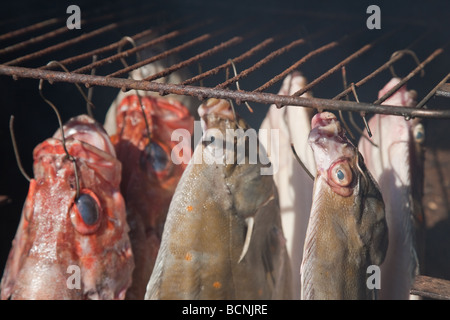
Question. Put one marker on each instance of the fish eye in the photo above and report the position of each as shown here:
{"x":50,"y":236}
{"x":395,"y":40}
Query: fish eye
{"x":342,"y":174}
{"x":156,"y":156}
{"x":419,"y":133}
{"x":85,"y":212}
{"x":88,"y":209}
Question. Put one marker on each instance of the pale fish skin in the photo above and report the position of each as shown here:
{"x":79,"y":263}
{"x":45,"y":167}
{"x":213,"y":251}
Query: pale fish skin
{"x":397,"y":166}
{"x":57,"y":233}
{"x":294,"y":185}
{"x":209,"y":249}
{"x":347,"y":230}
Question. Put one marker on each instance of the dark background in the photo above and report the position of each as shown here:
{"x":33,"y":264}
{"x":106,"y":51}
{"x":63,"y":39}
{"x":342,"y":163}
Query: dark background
{"x":35,"y":121}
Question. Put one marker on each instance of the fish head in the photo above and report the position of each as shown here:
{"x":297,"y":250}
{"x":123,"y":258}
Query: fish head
{"x":150,"y":152}
{"x":69,"y":247}
{"x":230,"y":137}
{"x":402,"y":97}
{"x":335,"y":155}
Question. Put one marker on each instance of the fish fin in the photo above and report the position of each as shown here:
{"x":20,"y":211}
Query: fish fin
{"x":250,"y":223}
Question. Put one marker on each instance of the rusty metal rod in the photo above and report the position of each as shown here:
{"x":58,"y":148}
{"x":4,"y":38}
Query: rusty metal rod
{"x":114,"y":45}
{"x":207,"y":53}
{"x":174,"y":50}
{"x":202,"y":92}
{"x":133,"y":50}
{"x":270,"y":57}
{"x":64,"y":44}
{"x":372,"y":75}
{"x":227,"y":64}
{"x":432,"y":92}
{"x":344,"y":62}
{"x":52,"y":34}
{"x":102,"y":50}
{"x":380,"y":69}
{"x":30,"y":28}
{"x":162,"y":55}
{"x":185,"y":63}
{"x":26,"y":43}
{"x":303,"y":60}
{"x":410,"y":75}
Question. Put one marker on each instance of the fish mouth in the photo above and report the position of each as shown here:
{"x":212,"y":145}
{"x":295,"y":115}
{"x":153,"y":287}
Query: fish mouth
{"x":86,"y":129}
{"x":218,"y":107}
{"x":326,"y":125}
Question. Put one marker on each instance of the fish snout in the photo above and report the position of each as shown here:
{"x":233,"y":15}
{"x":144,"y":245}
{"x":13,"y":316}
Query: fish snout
{"x":218,"y":107}
{"x":48,"y":281}
{"x":322,"y":119}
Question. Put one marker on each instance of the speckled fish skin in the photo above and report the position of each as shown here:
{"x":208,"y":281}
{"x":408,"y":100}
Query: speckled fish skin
{"x":53,"y":233}
{"x":397,"y":166}
{"x":206,"y":228}
{"x":347,"y":230}
{"x":294,"y":185}
{"x":149,"y":178}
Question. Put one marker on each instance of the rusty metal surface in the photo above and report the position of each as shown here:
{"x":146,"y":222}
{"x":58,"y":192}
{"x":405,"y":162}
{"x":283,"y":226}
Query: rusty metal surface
{"x":239,"y":96}
{"x":429,"y":287}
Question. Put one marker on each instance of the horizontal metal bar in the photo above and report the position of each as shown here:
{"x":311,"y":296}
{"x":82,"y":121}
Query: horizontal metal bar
{"x":239,"y":96}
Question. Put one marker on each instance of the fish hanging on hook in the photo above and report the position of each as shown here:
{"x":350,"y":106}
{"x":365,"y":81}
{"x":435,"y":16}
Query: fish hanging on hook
{"x":142,"y":137}
{"x":397,"y":165}
{"x":72,"y":244}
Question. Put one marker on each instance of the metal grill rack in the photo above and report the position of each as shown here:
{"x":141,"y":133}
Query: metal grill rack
{"x":256,"y":46}
{"x":265,"y":43}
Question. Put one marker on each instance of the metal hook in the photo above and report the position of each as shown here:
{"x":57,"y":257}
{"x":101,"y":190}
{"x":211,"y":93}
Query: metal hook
{"x":362,"y":113}
{"x":237,"y":83}
{"x":62,"y":137}
{"x":16,"y":151}
{"x":301,"y":162}
{"x":138,"y":57}
{"x":412,"y":54}
{"x":344,"y":81}
{"x":88,"y":102}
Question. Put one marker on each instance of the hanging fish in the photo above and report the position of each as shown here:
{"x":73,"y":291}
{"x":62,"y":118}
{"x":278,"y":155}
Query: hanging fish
{"x":347,"y":229}
{"x":69,"y":247}
{"x":223,"y":237}
{"x":397,"y":166}
{"x":293,"y":182}
{"x":150,"y":174}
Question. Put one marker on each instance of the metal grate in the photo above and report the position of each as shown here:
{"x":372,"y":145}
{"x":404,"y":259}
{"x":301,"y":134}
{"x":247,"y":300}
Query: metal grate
{"x":265,"y":43}
{"x":257,"y":45}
